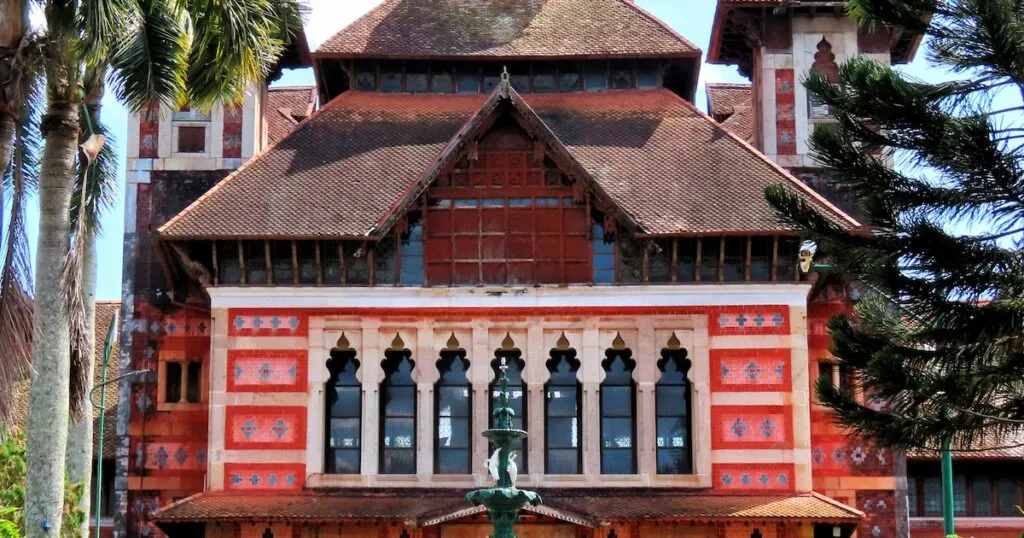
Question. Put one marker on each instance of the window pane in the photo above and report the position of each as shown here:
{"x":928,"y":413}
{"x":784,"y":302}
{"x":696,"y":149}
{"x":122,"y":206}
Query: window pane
{"x":441,"y":81}
{"x":358,"y":271}
{"x":596,"y":77}
{"x":761,"y":258}
{"x":562,"y":432}
{"x":491,"y":82}
{"x":686,"y":259}
{"x":391,"y":81}
{"x":255,"y":262}
{"x":789,"y":254}
{"x":673,"y":461}
{"x":544,"y":82}
{"x":346,"y":461}
{"x":399,"y":432}
{"x":307,"y":261}
{"x":960,"y":495}
{"x":660,"y":261}
{"x":172,"y":383}
{"x":622,"y":75}
{"x":562,"y":462}
{"x":603,"y":249}
{"x":617,"y":401}
{"x":468,"y":81}
{"x":825,"y":372}
{"x":932,"y":497}
{"x":385,"y":262}
{"x":330,"y":261}
{"x":617,"y":433}
{"x":412,"y":255}
{"x":344,"y":433}
{"x":281,"y":257}
{"x":617,"y":462}
{"x":452,"y":432}
{"x":982,"y":496}
{"x":672,"y":433}
{"x":569,"y":78}
{"x":416,"y":82}
{"x":453,"y":461}
{"x":400,"y":401}
{"x":191,"y":139}
{"x":631,"y":260}
{"x":671,"y":400}
{"x":348,"y":403}
{"x":229,"y":270}
{"x":735,"y":254}
{"x":366,"y":81}
{"x":520,"y":82}
{"x":1006,"y":490}
{"x":709,"y":259}
{"x":912,"y":496}
{"x":398,"y":461}
{"x":647,"y":74}
{"x":194,"y":380}
{"x":562,"y":401}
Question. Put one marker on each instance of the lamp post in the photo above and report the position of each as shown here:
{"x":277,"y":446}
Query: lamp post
{"x":101,"y":406}
{"x":503,"y":501}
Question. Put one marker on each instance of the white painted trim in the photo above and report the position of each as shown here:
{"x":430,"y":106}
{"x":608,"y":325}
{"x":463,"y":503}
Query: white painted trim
{"x":494,"y":297}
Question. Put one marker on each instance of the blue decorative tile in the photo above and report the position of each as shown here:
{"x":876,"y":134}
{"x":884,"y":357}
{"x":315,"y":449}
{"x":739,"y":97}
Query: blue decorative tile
{"x":239,"y":322}
{"x":257,"y":322}
{"x":181,"y":456}
{"x":745,"y":479}
{"x":763,"y":479}
{"x":266,"y":371}
{"x":725,"y":372}
{"x":238,"y":371}
{"x":293,"y":322}
{"x":752,"y":371}
{"x":293,"y":371}
{"x":780,"y":371}
{"x":161,"y":457}
{"x":740,"y":427}
{"x":254,"y":479}
{"x":759,"y":320}
{"x":249,"y":428}
{"x":275,"y":323}
{"x":741,"y":320}
{"x":818,"y":455}
{"x":723,"y":320}
{"x":783,"y":479}
{"x":236,"y":479}
{"x":272,"y":479}
{"x":777,"y":319}
{"x":200,"y":456}
{"x":839,"y":455}
{"x":290,"y":479}
{"x":767,"y":427}
{"x":280,"y":428}
{"x":727,"y":479}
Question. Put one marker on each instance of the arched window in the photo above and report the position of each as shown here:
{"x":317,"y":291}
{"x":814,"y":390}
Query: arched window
{"x":562,"y":404}
{"x":672,"y":396}
{"x":344,"y":411}
{"x":453,"y":404}
{"x":618,"y":412}
{"x":516,"y":395}
{"x":398,"y":411}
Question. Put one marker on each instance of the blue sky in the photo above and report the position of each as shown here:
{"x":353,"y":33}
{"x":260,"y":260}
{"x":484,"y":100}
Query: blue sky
{"x":691,"y":18}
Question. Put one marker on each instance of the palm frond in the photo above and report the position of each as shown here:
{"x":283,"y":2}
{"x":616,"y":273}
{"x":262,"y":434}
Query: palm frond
{"x":149,"y":60}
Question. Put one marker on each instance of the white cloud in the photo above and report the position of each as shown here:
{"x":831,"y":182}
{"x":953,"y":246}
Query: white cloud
{"x":326,"y":17}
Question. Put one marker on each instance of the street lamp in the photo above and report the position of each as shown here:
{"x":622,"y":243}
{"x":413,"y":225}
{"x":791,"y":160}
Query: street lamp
{"x":108,"y":347}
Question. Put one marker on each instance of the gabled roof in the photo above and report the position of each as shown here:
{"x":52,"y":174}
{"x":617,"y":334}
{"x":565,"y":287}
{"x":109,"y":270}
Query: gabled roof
{"x":286,"y":107}
{"x":732,"y":105}
{"x":343,"y":173}
{"x":502,"y":29}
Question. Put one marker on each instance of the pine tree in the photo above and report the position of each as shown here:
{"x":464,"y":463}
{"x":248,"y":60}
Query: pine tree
{"x":939,"y":338}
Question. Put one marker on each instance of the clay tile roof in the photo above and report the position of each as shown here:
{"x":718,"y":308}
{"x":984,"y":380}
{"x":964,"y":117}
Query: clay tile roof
{"x":502,"y":29}
{"x":990,"y":446}
{"x":105,"y":311}
{"x":422,"y":508}
{"x":732,"y":105}
{"x":286,"y":107}
{"x":342,"y":173}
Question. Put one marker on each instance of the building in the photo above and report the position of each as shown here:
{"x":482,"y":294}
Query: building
{"x":324,"y":295}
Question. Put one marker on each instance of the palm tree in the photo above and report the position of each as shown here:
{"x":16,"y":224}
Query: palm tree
{"x":173,"y":52}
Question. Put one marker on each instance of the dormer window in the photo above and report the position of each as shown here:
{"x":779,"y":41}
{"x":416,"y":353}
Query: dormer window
{"x":190,"y":130}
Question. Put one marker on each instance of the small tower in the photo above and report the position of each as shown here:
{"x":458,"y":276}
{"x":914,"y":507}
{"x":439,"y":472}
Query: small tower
{"x":777,"y":45}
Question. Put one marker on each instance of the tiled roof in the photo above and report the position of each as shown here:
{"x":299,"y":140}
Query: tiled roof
{"x":502,"y":29}
{"x":732,"y":105}
{"x":990,"y":446}
{"x":428,"y":507}
{"x":341,"y":173}
{"x":286,"y":107}
{"x":105,"y":311}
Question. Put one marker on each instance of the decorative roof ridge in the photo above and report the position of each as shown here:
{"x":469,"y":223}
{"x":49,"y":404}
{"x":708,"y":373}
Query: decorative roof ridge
{"x":665,"y":26}
{"x":251,"y":161}
{"x":852,"y":222}
{"x":291,"y":88}
{"x":730,"y":85}
{"x":833,"y":502}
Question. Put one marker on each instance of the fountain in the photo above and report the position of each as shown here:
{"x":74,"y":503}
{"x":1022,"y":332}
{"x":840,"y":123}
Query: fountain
{"x":503,"y":500}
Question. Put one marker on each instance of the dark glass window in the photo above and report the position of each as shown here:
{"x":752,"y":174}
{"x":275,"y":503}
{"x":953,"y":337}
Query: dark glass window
{"x":569,"y":78}
{"x":468,"y":80}
{"x":912,"y":497}
{"x":344,"y":414}
{"x":398,"y":414}
{"x":647,"y":74}
{"x":331,"y":261}
{"x":672,"y":411}
{"x":932,"y":497}
{"x":735,"y":255}
{"x":357,"y":269}
{"x":603,"y":251}
{"x":686,"y":260}
{"x":306,"y":251}
{"x":172,"y":382}
{"x":229,"y":271}
{"x":520,"y":81}
{"x":596,"y":77}
{"x":847,"y":377}
{"x":562,"y":405}
{"x":1006,"y":493}
{"x":825,"y":370}
{"x":106,"y":486}
{"x":709,"y":248}
{"x":391,"y":78}
{"x":453,"y":404}
{"x":761,"y":258}
{"x":516,"y":399}
{"x":631,"y":260}
{"x":788,"y":258}
{"x":441,"y":81}
{"x":618,"y":414}
{"x":659,"y":261}
{"x":281,"y":257}
{"x":960,"y":495}
{"x":366,"y":77}
{"x":191,"y":139}
{"x":412,"y":253}
{"x":255,"y":262}
{"x":975,"y":492}
{"x":543,"y":79}
{"x":193,"y":381}
{"x":982,"y":488}
{"x":491,"y":81}
{"x":622,"y":75}
{"x":385,"y":262}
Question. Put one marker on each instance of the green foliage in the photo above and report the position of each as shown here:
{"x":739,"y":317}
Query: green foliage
{"x":12,"y":493}
{"x":937,"y":339}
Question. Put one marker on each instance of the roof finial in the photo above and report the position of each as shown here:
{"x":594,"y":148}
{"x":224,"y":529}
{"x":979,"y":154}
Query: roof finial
{"x":505,"y":86}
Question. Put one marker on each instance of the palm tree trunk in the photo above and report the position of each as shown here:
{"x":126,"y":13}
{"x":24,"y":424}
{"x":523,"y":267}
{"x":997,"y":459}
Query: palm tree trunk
{"x":51,"y":355}
{"x":80,"y":437}
{"x":7,"y":127}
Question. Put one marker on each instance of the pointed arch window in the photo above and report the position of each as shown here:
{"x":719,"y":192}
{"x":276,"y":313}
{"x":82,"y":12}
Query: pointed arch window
{"x":562,"y":405}
{"x":398,"y":412}
{"x":453,"y":405}
{"x":344,"y":412}
{"x":618,"y":412}
{"x":672,"y":408}
{"x":516,"y":396}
